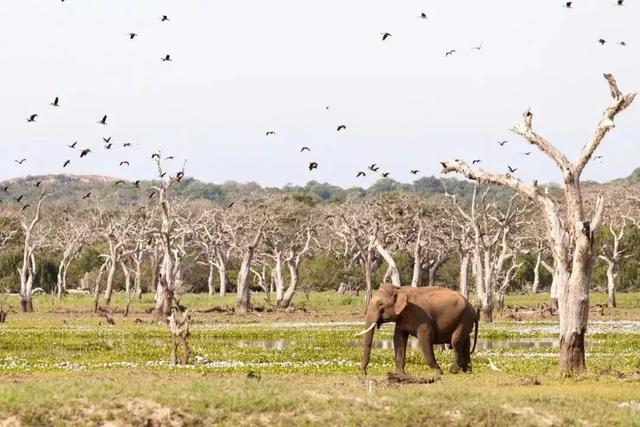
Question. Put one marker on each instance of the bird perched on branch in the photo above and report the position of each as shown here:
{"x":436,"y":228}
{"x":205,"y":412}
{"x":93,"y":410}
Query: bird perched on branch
{"x":613,"y":86}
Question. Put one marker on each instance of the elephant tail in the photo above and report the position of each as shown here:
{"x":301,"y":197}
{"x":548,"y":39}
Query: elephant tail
{"x":475,"y":338}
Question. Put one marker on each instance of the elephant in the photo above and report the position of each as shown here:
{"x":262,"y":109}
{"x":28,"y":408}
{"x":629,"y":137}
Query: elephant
{"x":433,"y":314}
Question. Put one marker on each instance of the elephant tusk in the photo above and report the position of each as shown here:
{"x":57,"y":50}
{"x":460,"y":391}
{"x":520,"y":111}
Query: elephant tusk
{"x":373,"y":325}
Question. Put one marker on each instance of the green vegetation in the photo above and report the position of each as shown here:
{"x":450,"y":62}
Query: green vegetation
{"x":63,"y":365}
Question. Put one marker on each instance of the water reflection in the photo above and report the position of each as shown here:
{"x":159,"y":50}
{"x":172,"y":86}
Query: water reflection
{"x":483,"y":344}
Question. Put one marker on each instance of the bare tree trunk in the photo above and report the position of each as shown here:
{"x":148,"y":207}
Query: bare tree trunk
{"x":137,"y":279}
{"x":108,"y":290}
{"x":433,"y":269}
{"x":611,"y":284}
{"x":293,"y":284}
{"x":155,"y":272}
{"x":59,"y":284}
{"x":210,"y":280}
{"x":96,"y":288}
{"x":536,"y":274}
{"x":222,"y":273}
{"x":417,"y":268}
{"x":368,"y":279}
{"x":277,"y":278}
{"x":393,"y":269}
{"x":464,"y":274}
{"x":243,"y":299}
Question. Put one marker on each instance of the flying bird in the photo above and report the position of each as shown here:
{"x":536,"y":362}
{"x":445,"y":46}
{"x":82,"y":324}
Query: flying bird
{"x":230,"y":204}
{"x":620,"y":2}
{"x":305,"y":149}
{"x":84,"y":152}
{"x":385,"y":174}
{"x":119,"y":182}
{"x":385,"y":36}
{"x":501,"y":143}
{"x":137,"y":184}
{"x":622,"y":43}
{"x":479,"y":47}
{"x":360,"y":174}
{"x":423,"y":15}
{"x":179,"y":176}
{"x":153,"y":193}
{"x":126,"y":144}
{"x":341,"y":127}
{"x":25,"y":207}
{"x":473,"y":162}
{"x":166,"y":58}
{"x":450,"y":52}
{"x":132,"y":36}
{"x":108,"y":146}
{"x":73,"y":145}
{"x":38,"y":183}
{"x":55,"y":102}
{"x":414,"y":171}
{"x":568,"y":4}
{"x":374,"y":167}
{"x":164,"y":18}
{"x":21,"y":161}
{"x":270,"y":132}
{"x":598,"y":157}
{"x":528,"y":153}
{"x":107,"y":140}
{"x":32,"y":118}
{"x":124,"y":163}
{"x":602,"y":41}
{"x":86,"y":196}
{"x":512,"y":170}
{"x":19,"y":198}
{"x":66,"y":163}
{"x":169,"y":158}
{"x":313,"y":165}
{"x":103,"y":121}
{"x":155,"y":156}
{"x":163,"y":174}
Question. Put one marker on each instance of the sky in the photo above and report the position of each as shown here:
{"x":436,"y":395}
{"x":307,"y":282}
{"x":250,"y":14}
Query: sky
{"x":244,"y":67}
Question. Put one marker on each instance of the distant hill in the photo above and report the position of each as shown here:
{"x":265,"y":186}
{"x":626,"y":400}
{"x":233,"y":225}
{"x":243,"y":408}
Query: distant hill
{"x":73,"y":187}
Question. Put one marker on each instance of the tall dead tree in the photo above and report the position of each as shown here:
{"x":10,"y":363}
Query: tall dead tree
{"x":27,"y":271}
{"x":68,"y":238}
{"x":570,"y":231}
{"x":168,"y":239}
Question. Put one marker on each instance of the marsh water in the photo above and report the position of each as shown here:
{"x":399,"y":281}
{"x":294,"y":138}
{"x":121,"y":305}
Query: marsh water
{"x":483,"y":344}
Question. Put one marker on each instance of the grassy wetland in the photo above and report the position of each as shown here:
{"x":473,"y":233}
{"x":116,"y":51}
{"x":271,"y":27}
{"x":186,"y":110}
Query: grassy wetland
{"x":64,"y":365}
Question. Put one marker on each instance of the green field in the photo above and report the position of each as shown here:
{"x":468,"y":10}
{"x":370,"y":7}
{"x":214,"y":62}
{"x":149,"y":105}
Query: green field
{"x":64,"y":365}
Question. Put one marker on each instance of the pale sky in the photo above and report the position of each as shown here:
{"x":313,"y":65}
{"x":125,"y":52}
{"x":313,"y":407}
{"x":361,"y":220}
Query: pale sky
{"x":242,"y":67}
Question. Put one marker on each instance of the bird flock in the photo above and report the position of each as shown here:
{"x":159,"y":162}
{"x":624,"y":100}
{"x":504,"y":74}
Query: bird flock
{"x":32,"y":119}
{"x":374,"y":168}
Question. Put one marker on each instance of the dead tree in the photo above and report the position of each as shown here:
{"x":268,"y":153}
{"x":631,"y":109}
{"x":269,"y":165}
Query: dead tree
{"x":213,"y":238}
{"x":570,"y":231}
{"x":612,"y":255}
{"x":28,"y":269}
{"x":492,"y":244}
{"x":167,"y":237}
{"x":245,"y":240}
{"x":179,"y":334}
{"x":68,"y":239}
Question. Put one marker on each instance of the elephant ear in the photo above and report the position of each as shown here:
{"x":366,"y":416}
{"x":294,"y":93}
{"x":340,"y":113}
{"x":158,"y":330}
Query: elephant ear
{"x":401,"y":303}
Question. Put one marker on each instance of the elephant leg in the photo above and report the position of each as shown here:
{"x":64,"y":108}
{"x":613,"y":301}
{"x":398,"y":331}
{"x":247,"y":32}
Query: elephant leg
{"x":466,"y":354}
{"x":457,"y":342}
{"x":425,"y":339}
{"x":400,"y":339}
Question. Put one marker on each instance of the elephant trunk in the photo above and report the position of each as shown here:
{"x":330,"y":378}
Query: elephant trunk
{"x":371,"y":322}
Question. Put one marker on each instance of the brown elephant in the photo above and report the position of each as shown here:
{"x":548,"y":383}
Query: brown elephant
{"x":432,"y":314}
